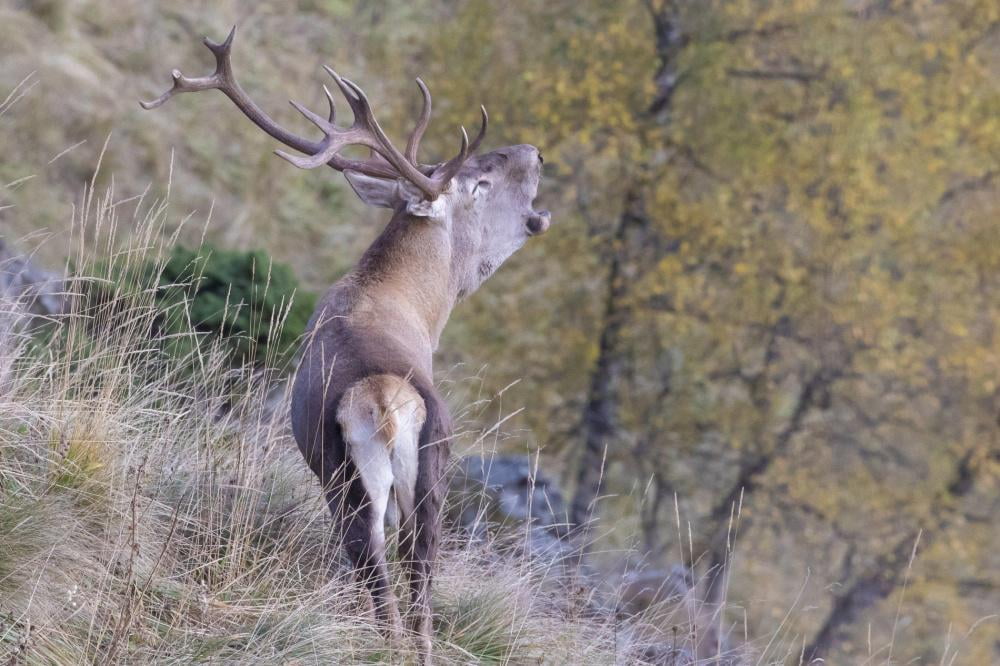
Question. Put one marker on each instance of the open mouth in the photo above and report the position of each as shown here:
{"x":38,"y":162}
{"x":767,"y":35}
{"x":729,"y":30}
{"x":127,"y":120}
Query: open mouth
{"x":538,"y":222}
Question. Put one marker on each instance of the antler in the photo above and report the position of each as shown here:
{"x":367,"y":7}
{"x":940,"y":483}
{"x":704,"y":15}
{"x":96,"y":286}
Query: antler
{"x":365,"y":131}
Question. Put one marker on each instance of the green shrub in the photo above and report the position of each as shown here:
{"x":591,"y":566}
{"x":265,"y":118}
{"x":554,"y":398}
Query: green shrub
{"x":243,"y":297}
{"x":242,"y":302}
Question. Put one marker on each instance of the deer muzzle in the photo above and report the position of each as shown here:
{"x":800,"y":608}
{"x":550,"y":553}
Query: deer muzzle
{"x":538,"y":222}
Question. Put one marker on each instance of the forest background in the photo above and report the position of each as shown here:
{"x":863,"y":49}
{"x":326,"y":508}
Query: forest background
{"x":769,"y":288}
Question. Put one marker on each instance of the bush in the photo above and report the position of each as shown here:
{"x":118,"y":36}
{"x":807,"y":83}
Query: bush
{"x":244,"y":297}
{"x":242,"y":302}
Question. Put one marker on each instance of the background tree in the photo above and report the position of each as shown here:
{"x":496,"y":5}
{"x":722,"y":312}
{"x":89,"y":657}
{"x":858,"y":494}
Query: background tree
{"x":768,"y":290}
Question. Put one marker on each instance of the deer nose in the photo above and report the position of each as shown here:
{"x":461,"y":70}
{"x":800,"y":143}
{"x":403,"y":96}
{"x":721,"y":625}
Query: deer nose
{"x":538,"y":223}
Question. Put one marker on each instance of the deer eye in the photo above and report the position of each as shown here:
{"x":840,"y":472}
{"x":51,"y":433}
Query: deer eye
{"x":481,"y":186}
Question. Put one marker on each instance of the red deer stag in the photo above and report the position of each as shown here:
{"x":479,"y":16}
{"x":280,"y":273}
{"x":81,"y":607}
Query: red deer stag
{"x":365,"y":412}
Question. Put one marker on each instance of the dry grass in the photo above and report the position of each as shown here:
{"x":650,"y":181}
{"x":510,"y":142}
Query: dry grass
{"x":154,"y":514}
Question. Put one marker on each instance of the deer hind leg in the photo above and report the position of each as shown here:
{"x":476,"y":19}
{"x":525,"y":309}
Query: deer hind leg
{"x":379,"y":416}
{"x":418,"y":550}
{"x":420,"y":528}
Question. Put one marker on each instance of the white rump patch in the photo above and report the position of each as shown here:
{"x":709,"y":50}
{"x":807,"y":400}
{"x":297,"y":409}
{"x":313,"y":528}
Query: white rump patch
{"x":381,"y":417}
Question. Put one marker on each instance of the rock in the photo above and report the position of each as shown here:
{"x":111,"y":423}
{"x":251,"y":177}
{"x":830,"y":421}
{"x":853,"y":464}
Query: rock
{"x":668,"y":654}
{"x":656,"y":587}
{"x":27,"y":288}
{"x":509,"y":494}
{"x":506,"y":499}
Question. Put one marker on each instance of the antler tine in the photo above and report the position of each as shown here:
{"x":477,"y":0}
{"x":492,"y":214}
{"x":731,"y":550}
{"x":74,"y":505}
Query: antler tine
{"x":219,"y":79}
{"x":366,"y":131}
{"x":335,"y":139}
{"x":482,"y":131}
{"x":316,"y":119}
{"x":333,"y":108}
{"x":313,"y":161}
{"x":413,"y":143}
{"x":357,"y":103}
{"x":444,"y":173}
{"x":222,"y":50}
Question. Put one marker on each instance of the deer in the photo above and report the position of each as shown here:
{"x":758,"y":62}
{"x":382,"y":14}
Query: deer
{"x":365,"y":412}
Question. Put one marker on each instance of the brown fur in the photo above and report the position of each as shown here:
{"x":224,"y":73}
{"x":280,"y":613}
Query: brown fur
{"x":375,"y":331}
{"x":348,"y":342}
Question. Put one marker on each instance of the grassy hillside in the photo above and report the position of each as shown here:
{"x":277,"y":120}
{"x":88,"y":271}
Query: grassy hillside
{"x":152,"y":515}
{"x":89,"y":63}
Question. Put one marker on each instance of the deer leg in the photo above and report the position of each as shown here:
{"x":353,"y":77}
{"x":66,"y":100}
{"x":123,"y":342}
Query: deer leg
{"x":352,"y":530}
{"x":381,"y":417}
{"x":418,"y":547}
{"x":365,"y":546}
{"x":364,"y":526}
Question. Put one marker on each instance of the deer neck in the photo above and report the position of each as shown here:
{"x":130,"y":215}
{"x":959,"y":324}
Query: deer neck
{"x":409,"y":272}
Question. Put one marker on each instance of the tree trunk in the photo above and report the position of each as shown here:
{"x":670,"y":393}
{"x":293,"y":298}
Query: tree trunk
{"x":629,"y":239}
{"x":602,"y":398}
{"x":889,"y":570}
{"x":748,"y":479}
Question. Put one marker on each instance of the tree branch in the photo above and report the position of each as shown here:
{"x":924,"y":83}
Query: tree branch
{"x":888,"y":570}
{"x":796,"y":75}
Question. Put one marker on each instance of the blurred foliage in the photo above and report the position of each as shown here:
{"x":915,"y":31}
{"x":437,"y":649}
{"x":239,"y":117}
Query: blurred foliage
{"x":805,"y":307}
{"x":240,"y":302}
{"x":243,"y":297}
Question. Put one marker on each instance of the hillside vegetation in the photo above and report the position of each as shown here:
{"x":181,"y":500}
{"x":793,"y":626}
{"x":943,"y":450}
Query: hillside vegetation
{"x":155,"y":513}
{"x":759,"y":341}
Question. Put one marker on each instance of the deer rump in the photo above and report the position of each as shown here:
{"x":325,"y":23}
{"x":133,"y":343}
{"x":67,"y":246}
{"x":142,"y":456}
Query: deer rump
{"x":381,"y":417}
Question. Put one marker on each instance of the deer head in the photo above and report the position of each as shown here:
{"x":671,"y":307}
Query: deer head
{"x":487,"y":208}
{"x":484,"y":202}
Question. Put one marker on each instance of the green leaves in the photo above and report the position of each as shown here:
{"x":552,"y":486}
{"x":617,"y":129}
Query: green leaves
{"x":240,"y":302}
{"x":241,"y":298}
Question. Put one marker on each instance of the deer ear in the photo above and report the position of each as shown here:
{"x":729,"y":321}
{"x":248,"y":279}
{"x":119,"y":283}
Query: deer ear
{"x":417,"y":204}
{"x":374,"y":191}
{"x":390,"y":194}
